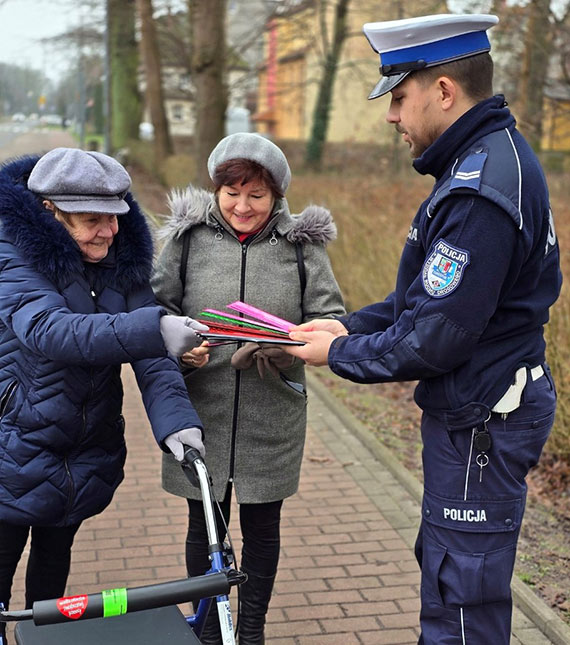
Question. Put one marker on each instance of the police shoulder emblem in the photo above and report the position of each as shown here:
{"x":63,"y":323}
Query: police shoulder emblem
{"x":443,"y":269}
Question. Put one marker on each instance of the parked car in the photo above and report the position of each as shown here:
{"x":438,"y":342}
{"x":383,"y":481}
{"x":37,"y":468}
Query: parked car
{"x":19,"y":117}
{"x":50,"y":119}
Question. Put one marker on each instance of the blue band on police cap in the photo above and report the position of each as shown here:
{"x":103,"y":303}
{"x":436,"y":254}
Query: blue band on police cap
{"x":438,"y":52}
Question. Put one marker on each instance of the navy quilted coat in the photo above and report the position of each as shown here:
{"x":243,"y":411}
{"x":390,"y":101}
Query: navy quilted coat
{"x":65,"y":329}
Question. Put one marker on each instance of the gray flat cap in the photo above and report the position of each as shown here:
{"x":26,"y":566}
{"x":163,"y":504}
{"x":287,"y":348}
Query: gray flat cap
{"x":247,"y":145}
{"x":79,"y":181}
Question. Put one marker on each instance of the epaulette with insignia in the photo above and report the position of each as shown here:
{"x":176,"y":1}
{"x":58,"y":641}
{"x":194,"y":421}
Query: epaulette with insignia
{"x":469,"y":172}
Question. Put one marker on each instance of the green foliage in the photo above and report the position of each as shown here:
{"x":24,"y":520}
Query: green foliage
{"x":527,"y":579}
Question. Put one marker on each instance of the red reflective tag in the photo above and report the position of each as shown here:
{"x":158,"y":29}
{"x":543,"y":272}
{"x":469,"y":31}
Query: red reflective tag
{"x":73,"y":606}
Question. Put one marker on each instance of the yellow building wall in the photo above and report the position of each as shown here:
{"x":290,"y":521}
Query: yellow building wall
{"x":289,"y":101}
{"x":352,"y":117}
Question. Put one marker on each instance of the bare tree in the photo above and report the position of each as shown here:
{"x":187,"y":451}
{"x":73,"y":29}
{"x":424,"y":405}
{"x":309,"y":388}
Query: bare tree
{"x":208,"y":57}
{"x":538,"y":49}
{"x":332,"y":50}
{"x":564,"y":39}
{"x":125,"y":100}
{"x":153,"y":74}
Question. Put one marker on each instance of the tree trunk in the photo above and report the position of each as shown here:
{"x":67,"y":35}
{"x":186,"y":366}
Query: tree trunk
{"x":538,"y":41}
{"x":153,"y":74}
{"x":315,"y":145}
{"x":208,"y":58}
{"x":125,"y":100}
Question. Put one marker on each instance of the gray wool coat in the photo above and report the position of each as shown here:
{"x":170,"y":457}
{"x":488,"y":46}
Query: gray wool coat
{"x":254,"y":428}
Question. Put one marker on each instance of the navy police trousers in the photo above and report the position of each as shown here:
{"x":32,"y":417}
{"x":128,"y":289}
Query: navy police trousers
{"x":471,"y":517}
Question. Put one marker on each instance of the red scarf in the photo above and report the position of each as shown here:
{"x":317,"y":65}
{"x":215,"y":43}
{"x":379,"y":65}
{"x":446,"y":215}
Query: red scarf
{"x":242,"y":237}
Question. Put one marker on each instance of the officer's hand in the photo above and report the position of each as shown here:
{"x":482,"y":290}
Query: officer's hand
{"x":192,"y":437}
{"x":323,"y":324}
{"x":315,"y":351}
{"x":179,"y":333}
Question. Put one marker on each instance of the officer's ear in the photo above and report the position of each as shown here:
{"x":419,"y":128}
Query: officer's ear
{"x":448,"y":92}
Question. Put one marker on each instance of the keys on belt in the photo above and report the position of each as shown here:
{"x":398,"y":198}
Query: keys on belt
{"x":482,"y":441}
{"x":511,"y":399}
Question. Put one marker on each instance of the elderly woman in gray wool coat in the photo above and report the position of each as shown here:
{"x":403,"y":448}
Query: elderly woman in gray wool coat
{"x":243,"y":244}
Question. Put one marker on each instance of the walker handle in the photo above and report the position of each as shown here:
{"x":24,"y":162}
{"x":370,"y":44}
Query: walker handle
{"x":115,"y":602}
{"x":191,"y":456}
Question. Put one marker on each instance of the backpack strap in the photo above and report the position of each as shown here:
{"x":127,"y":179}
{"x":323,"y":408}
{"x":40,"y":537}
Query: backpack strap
{"x":302,"y":274}
{"x":184,"y":258}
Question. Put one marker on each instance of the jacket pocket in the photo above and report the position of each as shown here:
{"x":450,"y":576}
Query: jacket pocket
{"x":7,"y":397}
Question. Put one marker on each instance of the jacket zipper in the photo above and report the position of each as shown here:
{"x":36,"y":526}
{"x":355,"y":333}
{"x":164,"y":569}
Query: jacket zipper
{"x":238,"y":372}
{"x":7,"y":398}
{"x":71,"y":496}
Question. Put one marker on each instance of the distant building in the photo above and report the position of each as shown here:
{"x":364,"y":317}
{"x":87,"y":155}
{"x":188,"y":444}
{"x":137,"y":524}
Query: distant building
{"x":292,"y":67}
{"x":245,"y":23}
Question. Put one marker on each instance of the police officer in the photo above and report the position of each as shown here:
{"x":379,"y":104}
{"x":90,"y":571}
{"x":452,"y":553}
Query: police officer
{"x":477,"y":275}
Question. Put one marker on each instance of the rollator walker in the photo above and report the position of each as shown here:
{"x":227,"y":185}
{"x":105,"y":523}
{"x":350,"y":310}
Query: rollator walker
{"x":145,"y":615}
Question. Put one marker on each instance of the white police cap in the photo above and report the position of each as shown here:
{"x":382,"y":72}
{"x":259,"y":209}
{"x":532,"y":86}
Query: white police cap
{"x":415,"y":43}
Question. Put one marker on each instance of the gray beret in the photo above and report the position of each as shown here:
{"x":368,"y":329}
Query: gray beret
{"x":79,"y":181}
{"x":247,"y":145}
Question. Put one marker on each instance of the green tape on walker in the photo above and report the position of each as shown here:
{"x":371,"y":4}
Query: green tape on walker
{"x":114,"y":602}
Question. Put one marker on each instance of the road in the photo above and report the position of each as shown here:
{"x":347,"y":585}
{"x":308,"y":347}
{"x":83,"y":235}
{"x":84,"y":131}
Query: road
{"x":29,"y":137}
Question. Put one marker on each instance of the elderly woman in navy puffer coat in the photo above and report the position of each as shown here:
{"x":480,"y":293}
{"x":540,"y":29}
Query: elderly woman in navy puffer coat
{"x":75,"y":303}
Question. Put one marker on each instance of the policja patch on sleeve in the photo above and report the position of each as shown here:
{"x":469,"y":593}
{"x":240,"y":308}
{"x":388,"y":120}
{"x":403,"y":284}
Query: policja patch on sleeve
{"x":443,"y":269}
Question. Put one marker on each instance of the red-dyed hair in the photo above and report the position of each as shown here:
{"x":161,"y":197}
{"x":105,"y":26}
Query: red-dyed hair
{"x":242,"y":171}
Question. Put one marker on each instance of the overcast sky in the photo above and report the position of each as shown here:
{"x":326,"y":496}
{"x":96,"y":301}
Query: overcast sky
{"x":24,"y":23}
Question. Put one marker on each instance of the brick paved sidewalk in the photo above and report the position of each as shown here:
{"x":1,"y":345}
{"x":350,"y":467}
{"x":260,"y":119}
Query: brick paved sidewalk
{"x":347,"y":573}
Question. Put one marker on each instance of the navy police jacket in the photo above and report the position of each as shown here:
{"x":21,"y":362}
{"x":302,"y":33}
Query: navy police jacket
{"x":65,"y":328}
{"x":477,"y":276}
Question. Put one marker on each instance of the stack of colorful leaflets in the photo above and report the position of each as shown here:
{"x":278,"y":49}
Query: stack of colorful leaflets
{"x":258,"y":327}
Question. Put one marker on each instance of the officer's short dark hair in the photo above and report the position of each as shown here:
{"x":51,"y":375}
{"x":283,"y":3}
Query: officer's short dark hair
{"x":474,"y":74}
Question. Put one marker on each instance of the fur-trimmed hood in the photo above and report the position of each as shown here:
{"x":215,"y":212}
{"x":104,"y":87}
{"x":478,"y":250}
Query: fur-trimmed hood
{"x":192,"y":206}
{"x":25,"y":223}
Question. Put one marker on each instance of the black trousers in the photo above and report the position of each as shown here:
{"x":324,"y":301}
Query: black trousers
{"x":48,"y":562}
{"x":259,"y":525}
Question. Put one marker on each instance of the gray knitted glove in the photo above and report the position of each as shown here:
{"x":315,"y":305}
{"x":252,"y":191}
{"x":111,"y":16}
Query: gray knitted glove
{"x":179,"y":333}
{"x":191,"y":437}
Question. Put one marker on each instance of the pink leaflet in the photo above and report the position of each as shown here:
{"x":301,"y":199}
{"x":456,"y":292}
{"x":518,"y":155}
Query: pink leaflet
{"x":255,"y":322}
{"x":270,"y":319}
